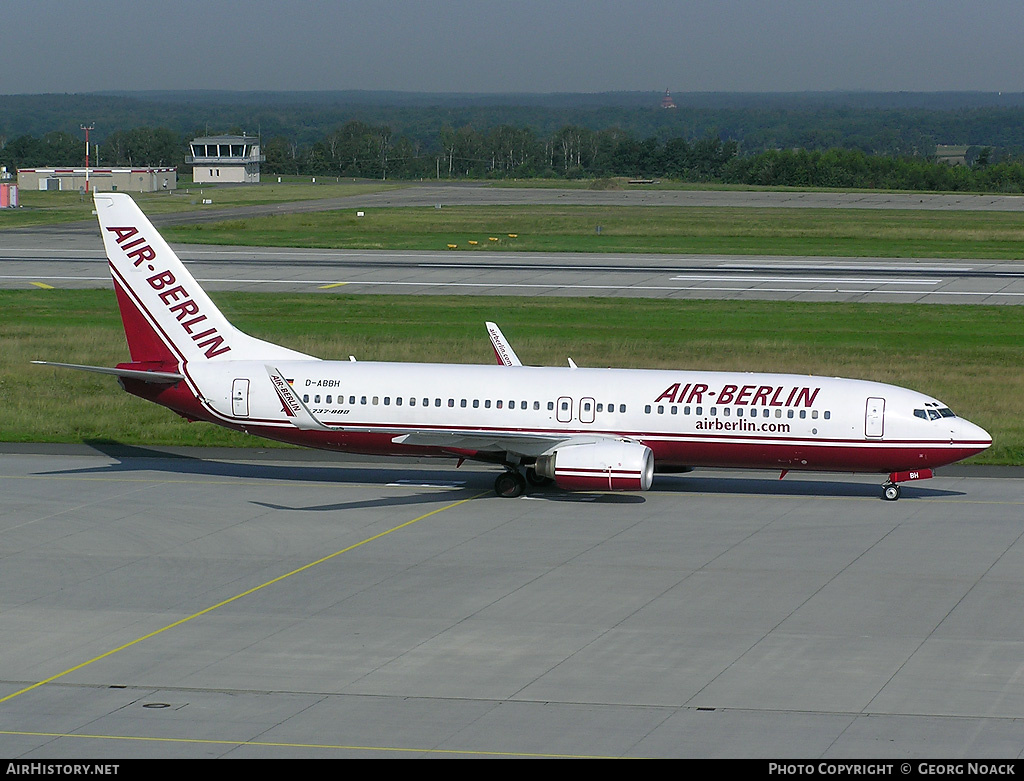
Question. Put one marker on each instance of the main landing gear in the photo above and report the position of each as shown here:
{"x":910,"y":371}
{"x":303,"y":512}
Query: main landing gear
{"x":511,"y":483}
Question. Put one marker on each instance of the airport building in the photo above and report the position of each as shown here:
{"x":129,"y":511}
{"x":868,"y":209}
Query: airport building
{"x":133,"y":180}
{"x":225,"y":159}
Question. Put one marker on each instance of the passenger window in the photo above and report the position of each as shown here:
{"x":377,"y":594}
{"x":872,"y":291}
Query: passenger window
{"x":387,"y":401}
{"x":316,"y":399}
{"x":827,"y":414}
{"x":305,"y":398}
{"x":622,"y":408}
{"x":398,"y":401}
{"x":487,"y":403}
{"x":647,"y":409}
{"x":476,"y":403}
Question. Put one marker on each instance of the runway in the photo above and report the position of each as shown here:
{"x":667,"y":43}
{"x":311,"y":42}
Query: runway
{"x":72,"y":256}
{"x":27,"y":263}
{"x":292,"y":604}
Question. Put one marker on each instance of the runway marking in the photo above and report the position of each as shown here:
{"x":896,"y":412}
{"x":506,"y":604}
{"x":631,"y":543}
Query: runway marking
{"x":846,"y":280}
{"x":802,"y":266}
{"x":235,"y":598}
{"x":332,"y":284}
{"x":43,"y":285}
{"x":434,"y":484}
{"x":338,"y":747}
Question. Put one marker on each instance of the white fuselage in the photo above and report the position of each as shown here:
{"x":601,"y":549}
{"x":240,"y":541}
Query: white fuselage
{"x":686,"y":418}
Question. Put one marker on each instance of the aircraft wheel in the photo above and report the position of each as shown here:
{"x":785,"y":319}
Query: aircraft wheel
{"x":535,"y":479}
{"x":891,"y":492}
{"x":509,"y":485}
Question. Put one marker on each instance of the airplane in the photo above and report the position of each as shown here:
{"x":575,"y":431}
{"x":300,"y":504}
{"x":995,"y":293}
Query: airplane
{"x":577,"y":428}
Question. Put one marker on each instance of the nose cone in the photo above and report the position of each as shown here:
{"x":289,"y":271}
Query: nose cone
{"x":973,"y":436}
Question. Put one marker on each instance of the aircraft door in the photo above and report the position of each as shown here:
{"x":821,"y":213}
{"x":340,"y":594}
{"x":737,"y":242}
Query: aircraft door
{"x":874,"y":417}
{"x":240,"y":398}
{"x":563,"y":410}
{"x":587,"y":406}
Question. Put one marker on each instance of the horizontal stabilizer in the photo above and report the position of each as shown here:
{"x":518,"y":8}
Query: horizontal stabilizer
{"x":131,"y":374}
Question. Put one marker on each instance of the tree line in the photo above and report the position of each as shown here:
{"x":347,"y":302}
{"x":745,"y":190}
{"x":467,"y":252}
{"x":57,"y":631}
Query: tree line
{"x":363,"y":150}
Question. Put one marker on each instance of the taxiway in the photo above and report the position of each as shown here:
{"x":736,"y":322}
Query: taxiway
{"x":291,"y":604}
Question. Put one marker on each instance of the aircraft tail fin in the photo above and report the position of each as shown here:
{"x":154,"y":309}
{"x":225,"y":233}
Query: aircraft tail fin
{"x":168,"y":318}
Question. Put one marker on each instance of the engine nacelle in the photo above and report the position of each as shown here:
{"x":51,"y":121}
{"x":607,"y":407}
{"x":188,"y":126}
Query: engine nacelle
{"x":611,"y":465}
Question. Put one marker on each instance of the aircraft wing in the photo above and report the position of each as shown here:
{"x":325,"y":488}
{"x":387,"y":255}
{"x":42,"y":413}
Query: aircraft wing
{"x":168,"y":378}
{"x":502,"y":349}
{"x":518,"y":443}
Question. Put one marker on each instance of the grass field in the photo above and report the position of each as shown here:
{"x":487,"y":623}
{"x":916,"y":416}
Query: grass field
{"x":649,"y":229}
{"x":970,"y":357}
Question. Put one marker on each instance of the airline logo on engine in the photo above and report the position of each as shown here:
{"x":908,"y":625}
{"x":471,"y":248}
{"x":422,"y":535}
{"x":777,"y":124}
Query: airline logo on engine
{"x":741,"y":395}
{"x":176,"y":298}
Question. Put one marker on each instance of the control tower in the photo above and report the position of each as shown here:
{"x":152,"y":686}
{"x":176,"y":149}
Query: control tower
{"x":225,"y":159}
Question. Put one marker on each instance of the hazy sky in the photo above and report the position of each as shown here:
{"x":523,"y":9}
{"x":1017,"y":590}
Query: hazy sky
{"x":512,"y":45}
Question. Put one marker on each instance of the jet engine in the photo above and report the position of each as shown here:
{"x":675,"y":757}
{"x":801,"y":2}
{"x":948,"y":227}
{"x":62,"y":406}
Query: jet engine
{"x":612,"y":465}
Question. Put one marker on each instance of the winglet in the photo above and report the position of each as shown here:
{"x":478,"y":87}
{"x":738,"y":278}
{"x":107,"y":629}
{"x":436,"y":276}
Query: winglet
{"x":502,"y":349}
{"x":298,"y":413}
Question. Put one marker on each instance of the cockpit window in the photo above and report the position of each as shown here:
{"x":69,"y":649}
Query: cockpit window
{"x":934,"y":412}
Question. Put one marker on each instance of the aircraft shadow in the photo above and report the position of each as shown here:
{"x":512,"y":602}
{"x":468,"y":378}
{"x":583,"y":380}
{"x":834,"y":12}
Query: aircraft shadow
{"x":766,"y":486}
{"x":134,"y":458}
